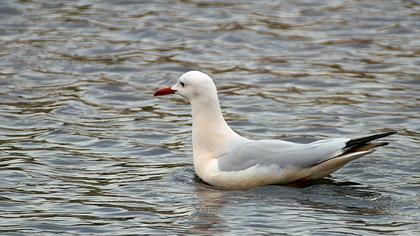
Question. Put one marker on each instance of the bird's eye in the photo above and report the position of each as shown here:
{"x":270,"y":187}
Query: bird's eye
{"x":182,"y":84}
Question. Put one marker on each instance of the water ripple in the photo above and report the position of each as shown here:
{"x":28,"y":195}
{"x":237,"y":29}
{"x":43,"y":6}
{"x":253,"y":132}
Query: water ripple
{"x":86,"y":149}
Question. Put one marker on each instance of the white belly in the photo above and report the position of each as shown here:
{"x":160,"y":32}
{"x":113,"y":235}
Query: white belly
{"x":258,"y":175}
{"x":249,"y":178}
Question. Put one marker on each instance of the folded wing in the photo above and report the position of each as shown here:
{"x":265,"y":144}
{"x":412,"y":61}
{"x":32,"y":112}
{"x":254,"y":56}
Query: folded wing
{"x":295,"y":155}
{"x":281,"y":153}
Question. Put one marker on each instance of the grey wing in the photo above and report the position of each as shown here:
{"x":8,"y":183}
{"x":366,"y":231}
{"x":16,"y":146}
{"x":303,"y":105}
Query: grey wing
{"x":281,"y":153}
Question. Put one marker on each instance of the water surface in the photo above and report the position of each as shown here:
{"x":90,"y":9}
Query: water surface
{"x":86,"y":149}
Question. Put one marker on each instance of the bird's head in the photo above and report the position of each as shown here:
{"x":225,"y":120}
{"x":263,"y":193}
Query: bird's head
{"x":191,"y":85}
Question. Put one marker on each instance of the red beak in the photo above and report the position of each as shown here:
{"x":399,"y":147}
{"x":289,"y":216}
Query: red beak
{"x":164,"y":91}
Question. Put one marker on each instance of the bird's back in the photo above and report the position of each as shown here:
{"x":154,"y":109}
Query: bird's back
{"x":280,"y":153}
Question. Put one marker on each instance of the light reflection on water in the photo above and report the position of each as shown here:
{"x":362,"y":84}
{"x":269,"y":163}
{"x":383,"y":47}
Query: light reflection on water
{"x":86,"y":149}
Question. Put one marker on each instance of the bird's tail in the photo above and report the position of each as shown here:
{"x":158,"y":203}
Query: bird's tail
{"x":364,"y":140}
{"x":364,"y":143}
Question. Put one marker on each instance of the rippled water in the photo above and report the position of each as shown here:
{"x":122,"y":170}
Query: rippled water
{"x":86,"y":149}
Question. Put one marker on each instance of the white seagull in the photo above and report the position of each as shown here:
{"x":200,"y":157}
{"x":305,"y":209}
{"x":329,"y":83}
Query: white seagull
{"x":227,"y":160}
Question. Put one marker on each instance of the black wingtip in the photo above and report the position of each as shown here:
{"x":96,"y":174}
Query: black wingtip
{"x":362,"y":141}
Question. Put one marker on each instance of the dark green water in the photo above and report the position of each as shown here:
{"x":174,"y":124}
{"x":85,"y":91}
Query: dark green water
{"x":85,"y":149}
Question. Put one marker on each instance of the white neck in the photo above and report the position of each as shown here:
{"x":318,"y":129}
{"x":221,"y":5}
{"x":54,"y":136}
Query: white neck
{"x":211,"y":134}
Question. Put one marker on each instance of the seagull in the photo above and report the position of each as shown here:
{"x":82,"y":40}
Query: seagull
{"x":226,"y":160}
